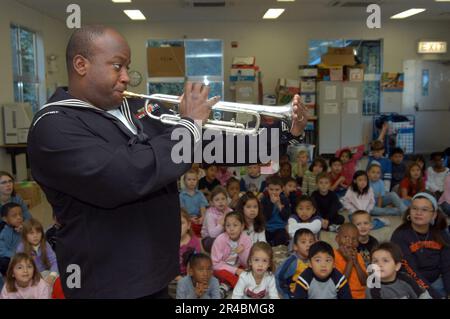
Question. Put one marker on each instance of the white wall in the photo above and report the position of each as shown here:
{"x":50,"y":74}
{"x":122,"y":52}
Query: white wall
{"x":280,"y":47}
{"x":54,"y":36}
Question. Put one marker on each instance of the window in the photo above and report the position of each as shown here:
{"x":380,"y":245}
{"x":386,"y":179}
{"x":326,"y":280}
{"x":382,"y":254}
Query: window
{"x":369,"y":53}
{"x":25,"y":72}
{"x":203,"y":60}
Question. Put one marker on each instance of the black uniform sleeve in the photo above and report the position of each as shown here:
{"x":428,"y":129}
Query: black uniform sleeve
{"x":68,"y":156}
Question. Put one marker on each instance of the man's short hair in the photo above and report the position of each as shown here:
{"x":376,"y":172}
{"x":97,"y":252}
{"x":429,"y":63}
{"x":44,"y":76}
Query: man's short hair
{"x":81,"y":43}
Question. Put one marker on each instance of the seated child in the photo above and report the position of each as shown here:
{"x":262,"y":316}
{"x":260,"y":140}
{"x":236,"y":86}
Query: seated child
{"x":196,"y":168}
{"x":349,"y":157}
{"x":10,"y":236}
{"x":253,"y":181}
{"x":35,"y":244}
{"x":213,"y":224}
{"x":188,"y":242}
{"x":377,"y":150}
{"x":193,"y":201}
{"x":383,"y":198}
{"x":412,"y":184}
{"x":276,"y":210}
{"x":224,"y":173}
{"x":285,"y":170}
{"x":309,"y":179}
{"x":199,"y":283}
{"x":288,"y":272}
{"x":291,"y":192}
{"x":322,"y":280}
{"x":398,"y":168}
{"x":258,"y":281}
{"x":230,"y":252}
{"x":305,"y":217}
{"x":328,"y":204}
{"x":337,"y":178}
{"x":207,"y":183}
{"x":349,"y":262}
{"x":362,"y":220}
{"x":250,"y":208}
{"x":23,"y":280}
{"x":233,"y":190}
{"x":394,"y":284}
{"x":301,"y":166}
{"x":444,"y":201}
{"x":436,"y":174}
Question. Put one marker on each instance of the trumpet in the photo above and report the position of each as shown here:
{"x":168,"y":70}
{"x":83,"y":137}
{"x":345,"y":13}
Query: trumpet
{"x":283,"y":113}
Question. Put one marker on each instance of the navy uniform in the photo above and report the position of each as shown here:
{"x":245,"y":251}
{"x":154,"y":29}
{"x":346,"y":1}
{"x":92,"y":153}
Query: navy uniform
{"x":112,"y":185}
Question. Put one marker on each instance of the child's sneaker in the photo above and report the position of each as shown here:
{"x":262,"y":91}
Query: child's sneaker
{"x":224,"y":289}
{"x":333,"y":228}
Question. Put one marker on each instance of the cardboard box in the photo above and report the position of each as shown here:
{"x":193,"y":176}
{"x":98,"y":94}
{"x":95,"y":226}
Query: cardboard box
{"x":339,"y":57}
{"x":246,"y":92}
{"x":307,"y":71}
{"x":311,"y":110}
{"x":269,"y":99}
{"x":30,"y":192}
{"x":308,"y":99}
{"x":355,"y":74}
{"x":166,"y":62}
{"x":336,"y":73}
{"x":308,"y":86}
{"x":243,"y":60}
{"x":286,"y":89}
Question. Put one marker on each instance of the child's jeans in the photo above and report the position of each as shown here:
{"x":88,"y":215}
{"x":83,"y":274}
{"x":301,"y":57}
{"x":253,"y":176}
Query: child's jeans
{"x":445,"y":208}
{"x":388,"y":199}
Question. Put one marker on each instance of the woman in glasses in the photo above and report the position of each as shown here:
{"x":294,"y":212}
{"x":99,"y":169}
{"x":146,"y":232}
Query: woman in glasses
{"x":8,"y":195}
{"x":425,"y":244}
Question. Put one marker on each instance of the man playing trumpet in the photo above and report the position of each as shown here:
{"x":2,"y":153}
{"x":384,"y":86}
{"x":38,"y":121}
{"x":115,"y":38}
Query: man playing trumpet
{"x":109,"y":176}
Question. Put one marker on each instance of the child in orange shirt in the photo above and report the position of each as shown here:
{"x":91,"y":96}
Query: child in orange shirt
{"x":349,"y":261}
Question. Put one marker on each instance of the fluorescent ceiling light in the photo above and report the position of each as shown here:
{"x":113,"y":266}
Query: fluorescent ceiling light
{"x":294,"y":0}
{"x":273,"y":13}
{"x":134,"y":14}
{"x":407,"y":13}
{"x":442,"y":0}
{"x":121,"y":1}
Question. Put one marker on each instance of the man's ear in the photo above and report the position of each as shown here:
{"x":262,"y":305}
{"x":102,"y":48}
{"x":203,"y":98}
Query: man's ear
{"x":4,"y":219}
{"x":189,"y":270}
{"x":398,"y":266}
{"x":80,"y":64}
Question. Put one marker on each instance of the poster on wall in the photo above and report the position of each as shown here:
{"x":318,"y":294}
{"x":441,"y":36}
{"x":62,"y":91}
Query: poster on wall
{"x":392,"y":82}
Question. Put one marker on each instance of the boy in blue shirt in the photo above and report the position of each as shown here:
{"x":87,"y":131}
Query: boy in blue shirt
{"x":10,"y":236}
{"x":193,"y":201}
{"x":382,"y":198}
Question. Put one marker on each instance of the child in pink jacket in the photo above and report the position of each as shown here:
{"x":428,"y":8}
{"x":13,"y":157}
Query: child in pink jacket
{"x":230,"y":251}
{"x":213,"y":223}
{"x":349,"y":157}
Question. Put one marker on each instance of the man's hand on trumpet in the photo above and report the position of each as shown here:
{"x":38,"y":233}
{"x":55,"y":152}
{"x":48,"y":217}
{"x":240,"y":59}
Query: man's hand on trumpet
{"x":299,"y":116}
{"x":194,"y":102}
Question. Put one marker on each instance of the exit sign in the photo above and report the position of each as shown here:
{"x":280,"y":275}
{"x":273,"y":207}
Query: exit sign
{"x":432,"y":47}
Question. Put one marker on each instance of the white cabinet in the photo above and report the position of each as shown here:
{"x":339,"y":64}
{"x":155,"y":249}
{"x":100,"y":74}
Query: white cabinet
{"x":340,"y":115}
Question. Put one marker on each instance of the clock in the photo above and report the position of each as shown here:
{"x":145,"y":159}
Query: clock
{"x":135,"y":78}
